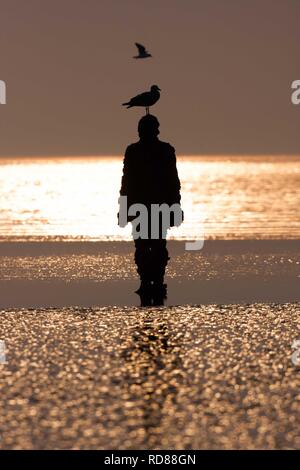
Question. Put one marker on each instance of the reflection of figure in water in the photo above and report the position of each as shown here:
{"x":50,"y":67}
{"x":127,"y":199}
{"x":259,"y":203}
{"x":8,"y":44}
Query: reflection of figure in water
{"x":151,"y":349}
{"x":150,"y":177}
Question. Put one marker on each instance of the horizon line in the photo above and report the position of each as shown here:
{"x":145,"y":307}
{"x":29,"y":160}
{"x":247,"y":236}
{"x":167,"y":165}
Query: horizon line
{"x":179,"y":155}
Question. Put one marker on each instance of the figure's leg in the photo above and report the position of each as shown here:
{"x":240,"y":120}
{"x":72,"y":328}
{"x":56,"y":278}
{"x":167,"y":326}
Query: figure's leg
{"x":147,"y":109}
{"x":159,"y":260}
{"x":142,"y":258}
{"x":159,"y":253}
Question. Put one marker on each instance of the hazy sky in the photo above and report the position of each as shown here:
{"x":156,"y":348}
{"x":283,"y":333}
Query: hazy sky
{"x":224,"y":66}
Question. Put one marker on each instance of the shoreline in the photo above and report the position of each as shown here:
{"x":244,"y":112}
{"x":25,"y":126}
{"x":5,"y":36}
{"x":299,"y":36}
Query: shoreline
{"x":25,"y":248}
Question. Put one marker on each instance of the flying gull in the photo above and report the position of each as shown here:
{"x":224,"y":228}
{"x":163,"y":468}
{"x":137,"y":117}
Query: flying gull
{"x":143,"y":54}
{"x":147,"y":99}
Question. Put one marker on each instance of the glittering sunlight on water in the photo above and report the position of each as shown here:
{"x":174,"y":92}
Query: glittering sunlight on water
{"x":76,"y":198}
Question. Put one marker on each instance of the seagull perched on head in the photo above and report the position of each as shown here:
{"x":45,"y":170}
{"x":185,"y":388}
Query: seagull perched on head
{"x":147,"y":99}
{"x":143,"y":54}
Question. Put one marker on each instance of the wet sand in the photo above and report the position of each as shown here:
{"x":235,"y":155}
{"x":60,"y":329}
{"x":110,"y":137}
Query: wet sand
{"x":207,"y":377}
{"x":85,"y":274}
{"x":86,"y":368}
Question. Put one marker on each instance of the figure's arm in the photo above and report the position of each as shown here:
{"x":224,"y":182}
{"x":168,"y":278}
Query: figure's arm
{"x":125,"y":177}
{"x":174,"y":189}
{"x":124,"y":191}
{"x":174,"y":182}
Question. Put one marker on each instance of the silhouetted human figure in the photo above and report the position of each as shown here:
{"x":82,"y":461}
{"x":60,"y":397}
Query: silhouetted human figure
{"x":150,"y":177}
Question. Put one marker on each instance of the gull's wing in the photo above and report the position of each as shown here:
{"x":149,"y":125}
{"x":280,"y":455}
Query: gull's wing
{"x":141,"y":48}
{"x":140,"y":100}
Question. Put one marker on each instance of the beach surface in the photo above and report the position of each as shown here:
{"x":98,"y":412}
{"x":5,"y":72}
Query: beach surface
{"x":86,"y":274}
{"x":206,"y":377}
{"x":87,"y":368}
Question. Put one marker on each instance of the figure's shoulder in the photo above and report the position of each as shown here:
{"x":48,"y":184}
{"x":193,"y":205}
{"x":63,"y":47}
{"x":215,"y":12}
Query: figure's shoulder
{"x":166,"y":145}
{"x":167,"y":148}
{"x":131,"y":149}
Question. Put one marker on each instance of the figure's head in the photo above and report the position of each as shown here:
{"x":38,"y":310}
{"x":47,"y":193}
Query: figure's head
{"x":155,"y":88}
{"x":148,"y":127}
